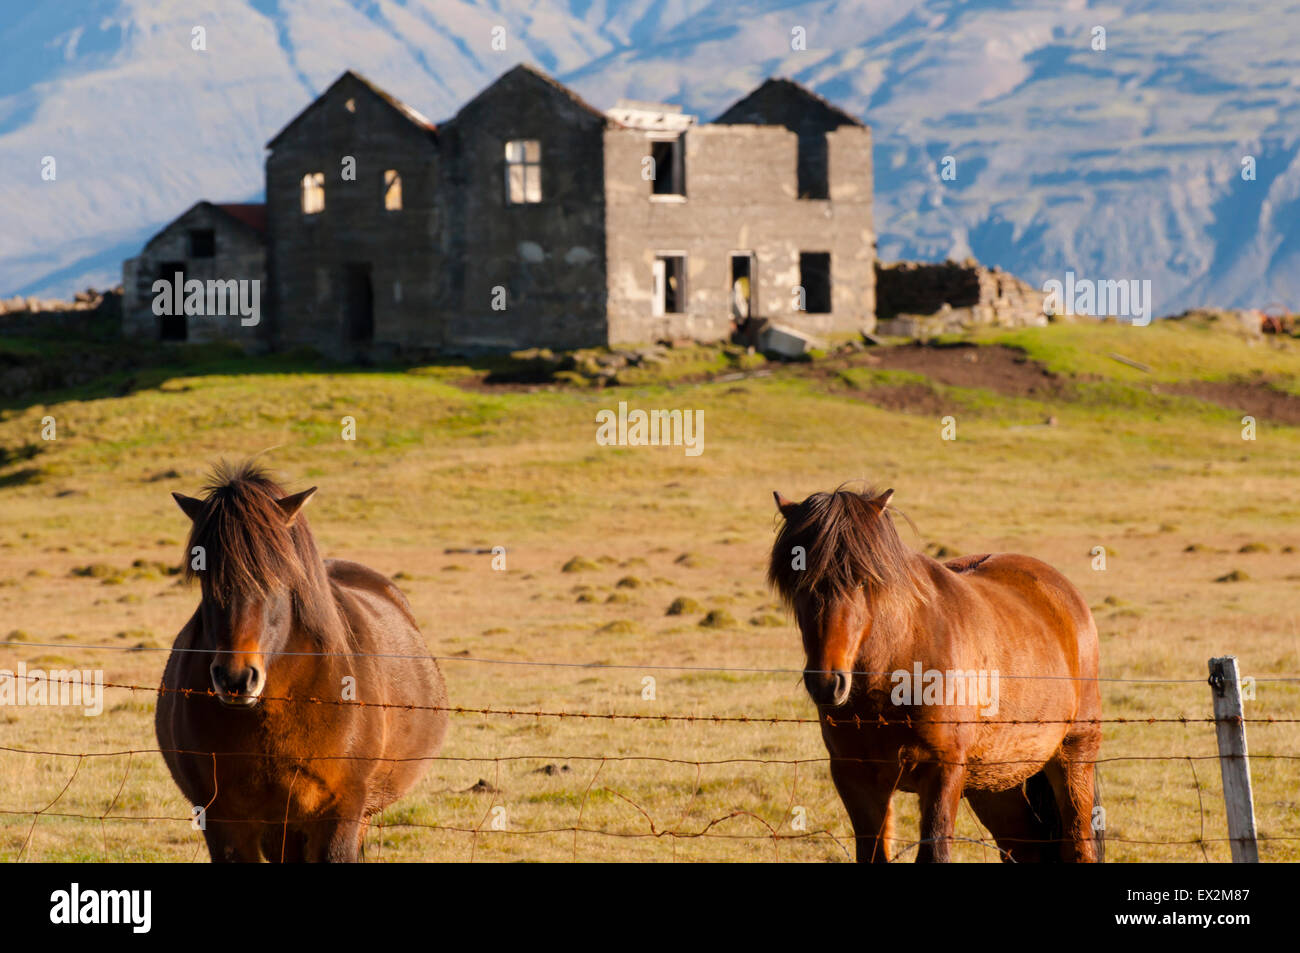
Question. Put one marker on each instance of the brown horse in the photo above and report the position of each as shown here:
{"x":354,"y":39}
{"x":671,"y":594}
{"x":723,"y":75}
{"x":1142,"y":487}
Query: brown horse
{"x":946,"y":654}
{"x":278,"y":776}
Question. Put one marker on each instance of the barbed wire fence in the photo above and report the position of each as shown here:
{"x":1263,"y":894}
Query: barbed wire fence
{"x":775,"y":833}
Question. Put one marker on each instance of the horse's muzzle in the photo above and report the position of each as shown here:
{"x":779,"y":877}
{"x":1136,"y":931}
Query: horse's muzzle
{"x":830,"y":689}
{"x":238,"y":688}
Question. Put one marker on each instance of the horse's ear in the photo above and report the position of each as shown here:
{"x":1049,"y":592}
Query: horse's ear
{"x":787,"y":507}
{"x":884,"y":498}
{"x":189,"y":506}
{"x":291,"y":506}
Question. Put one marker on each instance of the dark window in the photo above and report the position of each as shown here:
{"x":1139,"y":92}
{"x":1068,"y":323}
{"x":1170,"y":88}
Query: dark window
{"x":669,"y":166}
{"x":813,"y":163}
{"x":815,"y":278}
{"x":203,"y":243}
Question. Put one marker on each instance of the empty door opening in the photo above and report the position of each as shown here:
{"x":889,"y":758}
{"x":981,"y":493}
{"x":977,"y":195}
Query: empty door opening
{"x":358,"y":304}
{"x":173,"y":327}
{"x":815,"y":278}
{"x":669,"y":291}
{"x":742,"y":286}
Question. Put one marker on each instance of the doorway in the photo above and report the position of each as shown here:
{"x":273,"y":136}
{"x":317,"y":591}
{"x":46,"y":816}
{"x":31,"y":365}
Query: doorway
{"x":173,"y":327}
{"x":669,"y":295}
{"x":742,"y":286}
{"x":358,"y":304}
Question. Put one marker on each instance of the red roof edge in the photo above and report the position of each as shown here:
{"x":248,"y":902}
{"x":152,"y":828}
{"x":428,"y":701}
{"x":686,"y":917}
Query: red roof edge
{"x":253,"y":214}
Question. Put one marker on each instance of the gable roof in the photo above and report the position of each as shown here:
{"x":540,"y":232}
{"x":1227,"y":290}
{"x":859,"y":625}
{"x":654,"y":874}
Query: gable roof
{"x":251,"y":214}
{"x":779,"y":84}
{"x":412,"y":116}
{"x":532,"y":73}
{"x":247,"y":214}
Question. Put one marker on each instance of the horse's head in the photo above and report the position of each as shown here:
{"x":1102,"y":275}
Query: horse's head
{"x":836,"y":563}
{"x":251,"y":552}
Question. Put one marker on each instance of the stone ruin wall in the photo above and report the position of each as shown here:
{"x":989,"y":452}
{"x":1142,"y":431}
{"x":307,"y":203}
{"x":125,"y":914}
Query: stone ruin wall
{"x":918,"y":299}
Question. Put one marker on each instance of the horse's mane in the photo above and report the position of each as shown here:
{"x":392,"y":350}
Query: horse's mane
{"x":848,"y":541}
{"x":248,"y":547}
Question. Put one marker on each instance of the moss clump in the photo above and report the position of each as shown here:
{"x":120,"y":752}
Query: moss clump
{"x":618,"y":627}
{"x":718,"y":619}
{"x":682,"y":605}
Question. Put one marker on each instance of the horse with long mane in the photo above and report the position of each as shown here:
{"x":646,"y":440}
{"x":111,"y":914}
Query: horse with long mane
{"x":279,"y":714}
{"x":976,"y":677}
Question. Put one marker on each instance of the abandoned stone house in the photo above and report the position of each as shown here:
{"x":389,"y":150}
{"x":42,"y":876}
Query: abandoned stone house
{"x":530,"y":218}
{"x":207,"y":243}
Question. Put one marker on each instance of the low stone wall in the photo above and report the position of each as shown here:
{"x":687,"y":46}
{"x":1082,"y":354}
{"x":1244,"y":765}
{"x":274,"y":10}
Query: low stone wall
{"x":919,"y":299}
{"x":90,"y":314}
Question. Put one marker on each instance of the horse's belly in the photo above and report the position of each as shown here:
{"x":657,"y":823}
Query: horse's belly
{"x":1009,"y":755}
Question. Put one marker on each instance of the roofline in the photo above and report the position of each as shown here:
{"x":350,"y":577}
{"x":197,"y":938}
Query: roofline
{"x":846,"y":116}
{"x":411,"y":115}
{"x":546,"y":78}
{"x":199,"y":204}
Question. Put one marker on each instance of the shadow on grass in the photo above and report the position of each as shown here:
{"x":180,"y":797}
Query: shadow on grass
{"x":63,"y":371}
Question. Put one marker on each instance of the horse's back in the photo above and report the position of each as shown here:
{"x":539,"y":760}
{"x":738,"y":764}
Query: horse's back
{"x":394,"y":663}
{"x":1041,"y":585}
{"x":362,"y":579}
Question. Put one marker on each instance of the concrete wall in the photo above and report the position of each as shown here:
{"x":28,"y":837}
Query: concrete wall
{"x":240,"y":255}
{"x":309,"y":255}
{"x":741,"y":195}
{"x":549,"y":257}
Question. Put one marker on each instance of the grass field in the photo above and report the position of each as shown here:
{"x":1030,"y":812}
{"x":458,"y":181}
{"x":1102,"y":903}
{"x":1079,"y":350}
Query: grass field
{"x":1133,"y":461}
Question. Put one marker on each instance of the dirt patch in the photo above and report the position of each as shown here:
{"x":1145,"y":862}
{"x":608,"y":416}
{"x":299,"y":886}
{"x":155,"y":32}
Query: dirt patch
{"x":1258,"y":398}
{"x":908,"y":398}
{"x":1003,"y":370}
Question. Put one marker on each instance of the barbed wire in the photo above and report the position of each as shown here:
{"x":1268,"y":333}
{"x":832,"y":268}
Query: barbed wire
{"x":855,"y":721}
{"x":611,"y":666}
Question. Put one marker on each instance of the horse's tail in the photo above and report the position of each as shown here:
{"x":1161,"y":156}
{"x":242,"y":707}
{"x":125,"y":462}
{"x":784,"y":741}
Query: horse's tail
{"x":1048,"y":829}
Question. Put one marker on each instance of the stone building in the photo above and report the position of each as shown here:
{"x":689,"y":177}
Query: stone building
{"x":531,"y":218}
{"x":212,"y":244}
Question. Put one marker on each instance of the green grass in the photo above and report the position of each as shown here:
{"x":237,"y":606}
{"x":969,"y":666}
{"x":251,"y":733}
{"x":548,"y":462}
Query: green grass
{"x":439,"y":465}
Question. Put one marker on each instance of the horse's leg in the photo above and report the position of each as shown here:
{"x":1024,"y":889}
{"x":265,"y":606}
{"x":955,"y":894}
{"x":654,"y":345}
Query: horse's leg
{"x":868,"y":802}
{"x":233,"y":842}
{"x":940,"y":788}
{"x":279,"y":844}
{"x":336,"y":841}
{"x":1071,"y":772}
{"x":1016,"y":828}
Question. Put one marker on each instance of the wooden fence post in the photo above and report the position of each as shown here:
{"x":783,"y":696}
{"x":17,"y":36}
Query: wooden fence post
{"x":1233,"y":762}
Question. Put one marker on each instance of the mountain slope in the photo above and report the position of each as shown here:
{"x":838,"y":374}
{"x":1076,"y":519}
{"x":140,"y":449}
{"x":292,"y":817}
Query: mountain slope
{"x":1122,"y":163}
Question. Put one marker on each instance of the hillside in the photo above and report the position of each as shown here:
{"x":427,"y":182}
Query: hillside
{"x":625,"y":562}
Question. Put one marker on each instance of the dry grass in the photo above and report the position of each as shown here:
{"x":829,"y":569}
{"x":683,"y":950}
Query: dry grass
{"x":435,"y":466}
